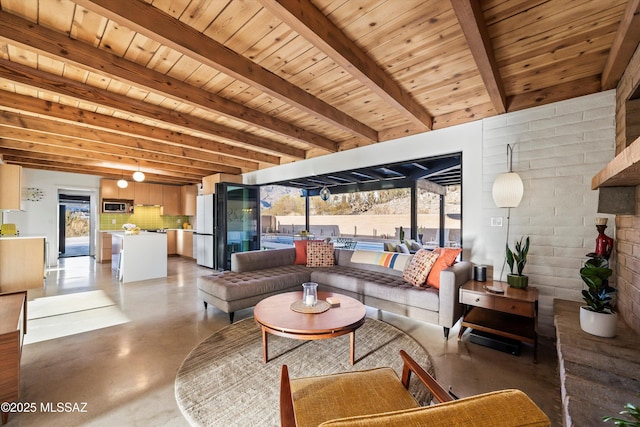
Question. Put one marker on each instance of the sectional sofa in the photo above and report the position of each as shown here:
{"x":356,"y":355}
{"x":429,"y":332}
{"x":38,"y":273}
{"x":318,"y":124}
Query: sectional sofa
{"x":256,"y":275}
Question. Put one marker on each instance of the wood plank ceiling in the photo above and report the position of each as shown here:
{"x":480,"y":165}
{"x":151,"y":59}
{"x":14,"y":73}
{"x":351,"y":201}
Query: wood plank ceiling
{"x":183,"y":89}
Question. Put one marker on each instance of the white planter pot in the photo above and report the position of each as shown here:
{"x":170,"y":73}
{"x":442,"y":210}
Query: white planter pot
{"x":598,"y":324}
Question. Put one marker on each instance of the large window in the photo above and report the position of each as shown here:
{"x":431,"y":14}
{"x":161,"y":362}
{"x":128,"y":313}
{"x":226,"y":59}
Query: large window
{"x":370,"y":207}
{"x":364,"y":216}
{"x":434,"y":203}
{"x":282,"y":215}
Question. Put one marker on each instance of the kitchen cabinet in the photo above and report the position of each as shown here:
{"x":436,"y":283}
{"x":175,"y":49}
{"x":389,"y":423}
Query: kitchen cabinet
{"x":188,"y":194}
{"x":109,"y":190}
{"x":148,"y":194}
{"x":141,"y":193}
{"x":104,"y":247}
{"x":11,"y":191}
{"x":156,"y":194}
{"x":171,"y":242}
{"x":185,"y":243}
{"x":21,"y":263}
{"x":13,"y":310}
{"x":171,"y":200}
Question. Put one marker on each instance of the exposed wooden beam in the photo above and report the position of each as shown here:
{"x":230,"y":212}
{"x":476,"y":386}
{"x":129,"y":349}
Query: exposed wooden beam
{"x":65,"y":147}
{"x":318,"y":29}
{"x":31,"y":158}
{"x":30,"y":36}
{"x":157,"y":25}
{"x":624,"y":45}
{"x":72,"y":115}
{"x":471,"y":19}
{"x":31,"y":77}
{"x":13,"y":125}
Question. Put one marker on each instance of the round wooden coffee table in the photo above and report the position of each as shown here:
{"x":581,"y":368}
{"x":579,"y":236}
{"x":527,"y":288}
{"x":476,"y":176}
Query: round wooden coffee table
{"x":275,"y":316}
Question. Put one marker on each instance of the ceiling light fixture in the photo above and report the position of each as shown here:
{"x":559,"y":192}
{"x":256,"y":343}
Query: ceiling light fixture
{"x":325,"y":193}
{"x":137,"y":175}
{"x":122,"y":183}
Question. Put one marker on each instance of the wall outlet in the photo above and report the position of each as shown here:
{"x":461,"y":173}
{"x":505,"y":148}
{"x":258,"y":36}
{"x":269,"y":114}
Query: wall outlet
{"x":496,"y":221}
{"x":178,"y":221}
{"x":113,"y":221}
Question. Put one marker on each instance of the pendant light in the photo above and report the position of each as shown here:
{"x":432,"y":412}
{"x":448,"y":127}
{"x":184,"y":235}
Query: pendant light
{"x":137,"y":175}
{"x":325,"y":193}
{"x":508,"y":188}
{"x":122,"y":183}
{"x":507,"y":193}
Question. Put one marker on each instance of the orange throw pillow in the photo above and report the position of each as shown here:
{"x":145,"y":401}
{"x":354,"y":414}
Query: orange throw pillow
{"x":445,"y":260}
{"x":301,"y":252}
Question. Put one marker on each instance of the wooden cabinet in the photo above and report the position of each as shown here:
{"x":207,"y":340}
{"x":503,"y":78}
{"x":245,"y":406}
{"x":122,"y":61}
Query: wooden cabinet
{"x":189,"y":194}
{"x":171,"y":242}
{"x":21,"y":263}
{"x":13,"y":308}
{"x":141,"y":193}
{"x":171,"y":200}
{"x":185,"y":243}
{"x":104,"y":247}
{"x":109,"y":190}
{"x":174,"y":199}
{"x":156,"y":194}
{"x":11,"y":187}
{"x":148,"y":194}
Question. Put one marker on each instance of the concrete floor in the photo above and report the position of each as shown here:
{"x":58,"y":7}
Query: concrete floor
{"x":125,"y":374}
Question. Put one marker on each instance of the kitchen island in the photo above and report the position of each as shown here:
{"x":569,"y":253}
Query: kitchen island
{"x":139,"y":256}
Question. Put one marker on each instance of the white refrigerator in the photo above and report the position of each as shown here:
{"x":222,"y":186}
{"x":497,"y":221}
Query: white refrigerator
{"x":205,"y":231}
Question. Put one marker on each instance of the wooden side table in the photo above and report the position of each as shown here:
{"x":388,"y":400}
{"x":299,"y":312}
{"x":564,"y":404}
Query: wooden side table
{"x":511,"y":314}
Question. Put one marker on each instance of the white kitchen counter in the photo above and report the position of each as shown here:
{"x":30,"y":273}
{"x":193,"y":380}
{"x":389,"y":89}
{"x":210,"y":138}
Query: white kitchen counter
{"x":144,"y":255}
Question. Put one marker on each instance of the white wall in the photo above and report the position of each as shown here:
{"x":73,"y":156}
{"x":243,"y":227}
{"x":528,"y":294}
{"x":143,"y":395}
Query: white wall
{"x":41,"y":217}
{"x":557,"y":149}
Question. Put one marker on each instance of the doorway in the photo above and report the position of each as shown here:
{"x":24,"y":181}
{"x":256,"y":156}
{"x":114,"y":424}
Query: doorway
{"x":74,"y":225}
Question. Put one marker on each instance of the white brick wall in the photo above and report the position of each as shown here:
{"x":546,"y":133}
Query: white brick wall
{"x":558,"y":148}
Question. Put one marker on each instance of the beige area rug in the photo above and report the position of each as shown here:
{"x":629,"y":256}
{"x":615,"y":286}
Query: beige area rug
{"x":224,"y":382}
{"x":63,"y":315}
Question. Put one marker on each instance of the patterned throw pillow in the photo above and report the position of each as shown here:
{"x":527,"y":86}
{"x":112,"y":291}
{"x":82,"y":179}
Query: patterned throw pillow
{"x":392,"y":260}
{"x":445,"y":260}
{"x":319,"y":254}
{"x":301,"y":251}
{"x":418,"y":269}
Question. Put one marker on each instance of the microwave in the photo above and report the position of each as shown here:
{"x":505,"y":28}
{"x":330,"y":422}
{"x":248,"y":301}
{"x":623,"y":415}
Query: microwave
{"x":117,"y":206}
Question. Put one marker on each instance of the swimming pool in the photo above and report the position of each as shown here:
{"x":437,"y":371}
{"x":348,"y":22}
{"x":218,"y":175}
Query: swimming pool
{"x":280,"y":241}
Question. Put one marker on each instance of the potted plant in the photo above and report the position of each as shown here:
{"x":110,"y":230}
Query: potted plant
{"x":518,"y":259}
{"x":598,"y":317}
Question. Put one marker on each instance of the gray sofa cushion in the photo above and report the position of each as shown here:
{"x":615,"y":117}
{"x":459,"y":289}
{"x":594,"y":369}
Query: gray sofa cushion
{"x":377,"y":285}
{"x":258,"y":260}
{"x":230,"y":286}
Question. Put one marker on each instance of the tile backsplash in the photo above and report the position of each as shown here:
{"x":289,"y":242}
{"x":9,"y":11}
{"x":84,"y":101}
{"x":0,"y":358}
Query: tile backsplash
{"x":144,"y":217}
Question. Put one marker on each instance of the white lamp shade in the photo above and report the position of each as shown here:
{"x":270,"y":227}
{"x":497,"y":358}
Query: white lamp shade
{"x":508,"y":190}
{"x":122,"y":183}
{"x":138,"y":176}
